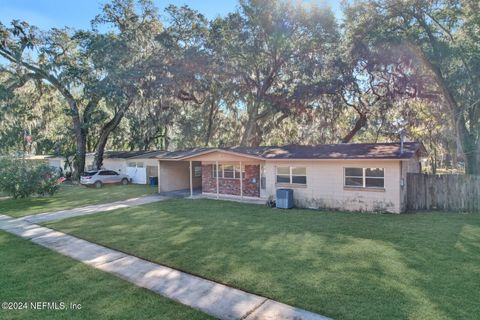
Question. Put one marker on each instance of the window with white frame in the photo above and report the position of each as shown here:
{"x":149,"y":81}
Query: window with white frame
{"x":292,"y":175}
{"x":364,"y":177}
{"x":228,"y":171}
{"x":134,"y":164}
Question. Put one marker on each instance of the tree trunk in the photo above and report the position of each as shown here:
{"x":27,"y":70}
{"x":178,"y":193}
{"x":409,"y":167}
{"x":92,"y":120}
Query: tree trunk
{"x":166,"y":139}
{"x":470,"y":144}
{"x":211,"y":114}
{"x":433,"y":160}
{"x":105,"y":133}
{"x":472,"y":159}
{"x":359,"y":124}
{"x":252,"y":136}
{"x":80,"y":131}
{"x":80,"y":138}
{"x":100,"y":150}
{"x":81,"y":147}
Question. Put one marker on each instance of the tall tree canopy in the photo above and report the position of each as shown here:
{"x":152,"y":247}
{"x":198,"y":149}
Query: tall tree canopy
{"x":441,"y":39}
{"x":87,"y":67}
{"x":279,"y":55}
{"x":270,"y":72}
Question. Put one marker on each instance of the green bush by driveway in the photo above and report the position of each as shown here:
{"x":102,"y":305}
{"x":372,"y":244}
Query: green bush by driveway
{"x":342,"y":265}
{"x":72,"y":196}
{"x":21,"y":178}
{"x":30,"y":273}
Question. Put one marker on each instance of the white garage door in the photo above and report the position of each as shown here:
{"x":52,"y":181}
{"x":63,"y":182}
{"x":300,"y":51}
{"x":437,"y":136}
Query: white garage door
{"x":138,"y":175}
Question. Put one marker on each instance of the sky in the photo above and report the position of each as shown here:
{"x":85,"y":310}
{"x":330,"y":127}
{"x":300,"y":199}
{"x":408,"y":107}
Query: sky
{"x":46,"y":14}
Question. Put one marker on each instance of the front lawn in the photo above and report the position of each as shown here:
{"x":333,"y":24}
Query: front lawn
{"x":342,"y":265}
{"x":31,"y":273}
{"x":72,"y":196}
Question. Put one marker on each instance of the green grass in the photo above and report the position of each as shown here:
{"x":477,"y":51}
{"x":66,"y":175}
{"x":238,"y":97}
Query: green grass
{"x":30,"y":273}
{"x":72,"y":197}
{"x":342,"y":265}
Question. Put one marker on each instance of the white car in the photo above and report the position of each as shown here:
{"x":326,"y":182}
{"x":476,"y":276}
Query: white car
{"x":101,"y":177}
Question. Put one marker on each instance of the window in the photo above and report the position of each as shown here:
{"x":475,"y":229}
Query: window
{"x":364,"y":177}
{"x":135,"y":164}
{"x":228,"y":171}
{"x":283,"y":175}
{"x":292,"y":175}
{"x":89,"y":173}
{"x":374,"y":178}
{"x":108,"y":173}
{"x":354,"y":177}
{"x":214,"y":171}
{"x":299,"y":175}
{"x":197,"y":171}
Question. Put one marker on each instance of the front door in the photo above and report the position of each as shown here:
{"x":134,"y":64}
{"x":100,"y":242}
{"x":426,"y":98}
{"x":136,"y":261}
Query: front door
{"x":263,"y":182}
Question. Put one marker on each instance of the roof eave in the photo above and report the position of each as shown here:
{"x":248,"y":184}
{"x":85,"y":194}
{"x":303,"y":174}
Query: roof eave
{"x":211,"y":151}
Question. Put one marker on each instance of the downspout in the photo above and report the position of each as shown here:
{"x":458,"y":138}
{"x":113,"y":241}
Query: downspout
{"x":191,"y":182}
{"x":402,"y":180}
{"x":241,"y":181}
{"x":158,"y":172}
{"x":216,"y":165}
{"x":402,"y":188}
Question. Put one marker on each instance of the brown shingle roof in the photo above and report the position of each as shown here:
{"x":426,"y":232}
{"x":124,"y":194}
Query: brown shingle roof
{"x":322,"y":151}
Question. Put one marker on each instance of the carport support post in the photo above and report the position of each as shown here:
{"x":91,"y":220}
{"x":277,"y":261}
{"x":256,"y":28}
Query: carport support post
{"x":191,"y":182}
{"x":241,"y":181}
{"x":216,"y":168}
{"x":158,"y":170}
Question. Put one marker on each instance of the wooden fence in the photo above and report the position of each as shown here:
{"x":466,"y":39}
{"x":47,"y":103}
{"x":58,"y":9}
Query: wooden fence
{"x":443,"y":192}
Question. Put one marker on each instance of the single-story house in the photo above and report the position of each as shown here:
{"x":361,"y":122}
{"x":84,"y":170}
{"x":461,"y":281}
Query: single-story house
{"x":138,"y":165}
{"x":354,"y":177}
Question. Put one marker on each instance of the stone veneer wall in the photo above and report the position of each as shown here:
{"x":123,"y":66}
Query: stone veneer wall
{"x":232,"y":186}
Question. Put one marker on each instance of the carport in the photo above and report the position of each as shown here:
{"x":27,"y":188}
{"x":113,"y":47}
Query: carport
{"x":214,"y":172}
{"x":179,"y":176}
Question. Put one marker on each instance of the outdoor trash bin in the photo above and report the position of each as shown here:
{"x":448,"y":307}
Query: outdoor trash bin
{"x":153,"y":181}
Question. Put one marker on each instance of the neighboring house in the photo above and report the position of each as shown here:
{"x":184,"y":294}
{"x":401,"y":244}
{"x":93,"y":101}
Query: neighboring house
{"x":355,"y":177}
{"x":138,"y":165}
{"x":39,"y":158}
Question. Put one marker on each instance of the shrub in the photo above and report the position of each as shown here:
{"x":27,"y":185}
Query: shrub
{"x":21,"y":178}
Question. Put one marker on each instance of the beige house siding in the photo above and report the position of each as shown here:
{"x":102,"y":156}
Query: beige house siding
{"x":325,"y":181}
{"x":146,"y":162}
{"x":325,"y":185}
{"x":117,"y":165}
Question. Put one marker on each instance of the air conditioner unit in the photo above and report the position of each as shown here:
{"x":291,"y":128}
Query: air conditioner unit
{"x":284,"y":198}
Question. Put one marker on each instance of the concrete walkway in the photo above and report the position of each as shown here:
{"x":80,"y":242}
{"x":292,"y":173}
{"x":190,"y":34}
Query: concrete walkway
{"x":69,"y":213}
{"x":210,"y":297}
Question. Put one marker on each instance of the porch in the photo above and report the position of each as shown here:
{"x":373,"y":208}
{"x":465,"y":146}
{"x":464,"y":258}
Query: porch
{"x":214,"y":175}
